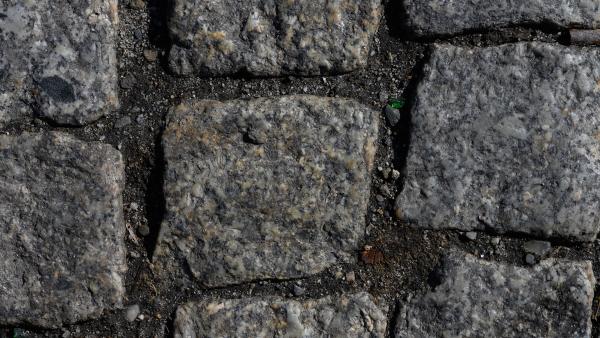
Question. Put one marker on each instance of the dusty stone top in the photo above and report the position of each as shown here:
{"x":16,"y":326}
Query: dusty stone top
{"x":477,"y":298}
{"x":61,"y":218}
{"x":271,"y":38}
{"x":442,"y":17}
{"x":271,"y":188}
{"x":353,"y":315}
{"x":506,"y":139}
{"x":57,"y":60}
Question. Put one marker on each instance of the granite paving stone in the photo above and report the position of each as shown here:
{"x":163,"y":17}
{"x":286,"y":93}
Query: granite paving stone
{"x":63,"y":251}
{"x":506,"y":139}
{"x":353,"y":315}
{"x":442,"y":17}
{"x":57,"y":60}
{"x":478,"y":298}
{"x":270,"y":188}
{"x":271,"y":38}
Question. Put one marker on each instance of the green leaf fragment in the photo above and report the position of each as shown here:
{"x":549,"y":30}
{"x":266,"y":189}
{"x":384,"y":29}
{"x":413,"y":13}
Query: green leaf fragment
{"x":397,"y":104}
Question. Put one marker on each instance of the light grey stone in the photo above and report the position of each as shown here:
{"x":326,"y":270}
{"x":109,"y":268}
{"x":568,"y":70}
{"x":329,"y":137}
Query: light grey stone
{"x":354,"y":315}
{"x":57,"y":60}
{"x":442,"y":17}
{"x":289,"y":207}
{"x":506,"y":138}
{"x":63,"y":251}
{"x":271,"y":38}
{"x":477,"y":298}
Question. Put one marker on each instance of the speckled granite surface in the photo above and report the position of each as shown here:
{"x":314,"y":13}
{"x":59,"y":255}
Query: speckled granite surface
{"x":442,"y":17}
{"x":61,"y":218}
{"x":270,"y":188}
{"x":266,"y":37}
{"x":57,"y":60}
{"x":477,"y":298}
{"x":353,"y":315}
{"x":506,"y":139}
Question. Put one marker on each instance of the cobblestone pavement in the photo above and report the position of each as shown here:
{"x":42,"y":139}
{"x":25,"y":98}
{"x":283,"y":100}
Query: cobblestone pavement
{"x":299,"y":168}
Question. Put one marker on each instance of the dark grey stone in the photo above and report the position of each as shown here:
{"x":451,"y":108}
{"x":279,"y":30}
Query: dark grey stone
{"x":58,"y":60}
{"x":539,"y":248}
{"x":442,"y":17}
{"x":240,"y":211}
{"x":506,"y":138}
{"x":63,"y":250}
{"x":354,"y":315}
{"x":270,"y":38}
{"x":477,"y":298}
{"x":392,"y":115}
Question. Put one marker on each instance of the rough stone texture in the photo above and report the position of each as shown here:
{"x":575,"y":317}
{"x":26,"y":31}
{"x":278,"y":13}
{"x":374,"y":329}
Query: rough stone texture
{"x":354,"y":315}
{"x":269,"y":38}
{"x":61,"y":218}
{"x":267,"y":188}
{"x":477,"y":298}
{"x":506,"y":138}
{"x":442,"y":17}
{"x":57,"y":59}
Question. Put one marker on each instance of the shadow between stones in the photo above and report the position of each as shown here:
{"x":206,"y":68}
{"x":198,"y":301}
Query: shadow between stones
{"x":155,"y":197}
{"x":159,"y":12}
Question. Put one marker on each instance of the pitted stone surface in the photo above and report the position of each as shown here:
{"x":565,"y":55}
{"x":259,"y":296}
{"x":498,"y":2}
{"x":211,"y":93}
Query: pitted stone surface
{"x":267,"y":188}
{"x":506,"y":138}
{"x":354,"y":315}
{"x":57,"y":60}
{"x":477,"y":298}
{"x":442,"y":17}
{"x":270,"y":38}
{"x":62,"y":243}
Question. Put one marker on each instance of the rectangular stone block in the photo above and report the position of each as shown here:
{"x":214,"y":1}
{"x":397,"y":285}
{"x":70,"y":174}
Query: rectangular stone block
{"x":271,"y":38}
{"x":442,"y":17}
{"x":506,"y":139}
{"x":271,"y":188}
{"x":353,"y":316}
{"x":57,"y":60}
{"x":477,"y":298}
{"x":61,"y":218}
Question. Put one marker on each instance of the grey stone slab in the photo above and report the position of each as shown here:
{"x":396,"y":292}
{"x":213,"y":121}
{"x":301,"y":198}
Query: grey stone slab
{"x":354,"y":315}
{"x":507,"y":139}
{"x":477,"y":298}
{"x":270,"y":38}
{"x":61,"y":218}
{"x":57,"y":60}
{"x":269,"y":188}
{"x":442,"y":17}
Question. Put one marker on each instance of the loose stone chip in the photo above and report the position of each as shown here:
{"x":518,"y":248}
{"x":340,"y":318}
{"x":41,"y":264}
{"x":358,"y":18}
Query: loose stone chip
{"x":63,"y":251}
{"x":442,"y":17}
{"x":270,"y":38}
{"x":506,"y":138}
{"x":354,"y":315}
{"x":477,"y":298}
{"x":271,"y":188}
{"x":57,"y":60}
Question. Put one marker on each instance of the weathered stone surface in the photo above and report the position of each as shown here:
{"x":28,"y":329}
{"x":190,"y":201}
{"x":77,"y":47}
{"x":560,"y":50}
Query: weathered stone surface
{"x":354,"y":315}
{"x":477,"y":298}
{"x":442,"y":17}
{"x":506,"y":138}
{"x":270,"y":38}
{"x":62,"y":243}
{"x":57,"y":59}
{"x":267,"y":188}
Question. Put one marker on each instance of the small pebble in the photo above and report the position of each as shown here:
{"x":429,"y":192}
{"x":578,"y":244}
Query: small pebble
{"x":351,"y":277}
{"x":538,"y":248}
{"x":395,"y":174}
{"x":471,"y":235}
{"x":392,"y":115}
{"x":150,"y":55}
{"x":122,"y":122}
{"x":144,"y":230}
{"x":495,"y":240}
{"x":298,"y":290}
{"x":132,"y":312}
{"x":530,"y":259}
